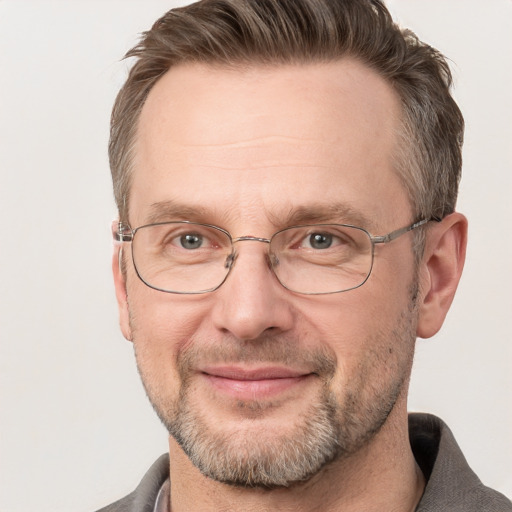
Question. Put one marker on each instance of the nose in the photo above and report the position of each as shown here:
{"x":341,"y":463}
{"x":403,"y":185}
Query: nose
{"x":252,"y":302}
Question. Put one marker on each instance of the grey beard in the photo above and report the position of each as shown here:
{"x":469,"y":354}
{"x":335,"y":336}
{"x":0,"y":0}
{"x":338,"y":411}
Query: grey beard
{"x":279,"y":462}
{"x":322,"y":435}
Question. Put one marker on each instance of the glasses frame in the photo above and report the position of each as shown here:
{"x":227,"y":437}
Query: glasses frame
{"x":123,"y":233}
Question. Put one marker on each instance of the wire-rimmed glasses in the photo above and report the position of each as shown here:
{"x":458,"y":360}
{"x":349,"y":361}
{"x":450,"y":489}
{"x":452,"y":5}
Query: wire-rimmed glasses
{"x":190,"y":258}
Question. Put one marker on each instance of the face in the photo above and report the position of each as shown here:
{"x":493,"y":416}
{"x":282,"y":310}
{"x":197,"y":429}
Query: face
{"x":259,"y":385}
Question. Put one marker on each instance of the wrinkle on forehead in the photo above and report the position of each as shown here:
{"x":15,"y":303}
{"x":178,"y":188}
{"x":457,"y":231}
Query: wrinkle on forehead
{"x":250,"y":142}
{"x":256,"y":153}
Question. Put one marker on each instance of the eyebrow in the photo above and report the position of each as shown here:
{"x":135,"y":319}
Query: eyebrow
{"x":164,"y":211}
{"x":315,"y":213}
{"x":318,"y":213}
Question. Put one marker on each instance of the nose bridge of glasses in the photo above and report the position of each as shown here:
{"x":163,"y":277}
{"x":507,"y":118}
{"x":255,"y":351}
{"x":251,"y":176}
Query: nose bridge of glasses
{"x":249,"y":238}
{"x":230,"y":260}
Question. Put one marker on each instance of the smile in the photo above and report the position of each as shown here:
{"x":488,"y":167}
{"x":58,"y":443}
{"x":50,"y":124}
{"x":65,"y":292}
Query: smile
{"x":255,"y":383}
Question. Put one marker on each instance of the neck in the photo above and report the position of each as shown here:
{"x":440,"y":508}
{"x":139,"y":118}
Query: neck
{"x":381,"y":476}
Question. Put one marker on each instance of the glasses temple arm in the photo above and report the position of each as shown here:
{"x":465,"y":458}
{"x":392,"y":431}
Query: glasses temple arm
{"x":384,"y":239}
{"x":121,"y":232}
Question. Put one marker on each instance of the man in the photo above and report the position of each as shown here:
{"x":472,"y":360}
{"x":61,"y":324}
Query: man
{"x":286,"y":175}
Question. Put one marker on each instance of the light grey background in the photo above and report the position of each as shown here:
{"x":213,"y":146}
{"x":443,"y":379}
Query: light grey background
{"x":76,"y":431}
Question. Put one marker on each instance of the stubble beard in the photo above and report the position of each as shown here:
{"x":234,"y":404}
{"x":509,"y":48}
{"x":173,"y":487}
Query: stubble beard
{"x":329,"y":429}
{"x":258,"y":459}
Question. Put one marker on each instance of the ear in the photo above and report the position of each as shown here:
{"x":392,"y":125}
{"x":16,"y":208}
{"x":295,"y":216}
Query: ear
{"x":440,"y":271}
{"x":121,"y":295}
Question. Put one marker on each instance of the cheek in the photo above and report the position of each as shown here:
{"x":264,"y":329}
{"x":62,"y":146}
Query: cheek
{"x":349,"y":318}
{"x":162,"y":325}
{"x":368,"y":329}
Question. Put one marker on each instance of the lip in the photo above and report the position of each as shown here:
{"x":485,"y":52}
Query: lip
{"x":253,"y":383}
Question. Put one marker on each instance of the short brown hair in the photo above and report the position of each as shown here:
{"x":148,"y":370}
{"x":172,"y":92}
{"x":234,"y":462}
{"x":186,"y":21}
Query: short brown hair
{"x":241,"y":32}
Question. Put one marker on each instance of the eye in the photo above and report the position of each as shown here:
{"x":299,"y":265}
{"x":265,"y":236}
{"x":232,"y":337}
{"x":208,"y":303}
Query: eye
{"x":315,"y":239}
{"x":191,"y":241}
{"x":319,"y":240}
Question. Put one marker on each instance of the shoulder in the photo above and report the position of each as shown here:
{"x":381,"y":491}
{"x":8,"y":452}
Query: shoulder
{"x":143,"y":498}
{"x":451,"y":483}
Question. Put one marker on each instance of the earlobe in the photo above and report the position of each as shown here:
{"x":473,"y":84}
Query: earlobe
{"x":440,"y":271}
{"x":121,"y":295}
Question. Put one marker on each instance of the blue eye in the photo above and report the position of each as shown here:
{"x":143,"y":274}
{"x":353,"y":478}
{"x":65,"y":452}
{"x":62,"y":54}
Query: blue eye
{"x":191,"y":241}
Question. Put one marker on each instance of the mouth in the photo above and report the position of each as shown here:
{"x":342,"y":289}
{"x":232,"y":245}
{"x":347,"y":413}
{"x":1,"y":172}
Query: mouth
{"x":254,"y":383}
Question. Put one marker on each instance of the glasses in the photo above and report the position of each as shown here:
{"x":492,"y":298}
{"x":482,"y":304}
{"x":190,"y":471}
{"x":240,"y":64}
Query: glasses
{"x":190,"y":258}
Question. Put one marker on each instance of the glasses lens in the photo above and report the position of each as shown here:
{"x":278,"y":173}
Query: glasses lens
{"x":321,"y":259}
{"x":181,"y":257}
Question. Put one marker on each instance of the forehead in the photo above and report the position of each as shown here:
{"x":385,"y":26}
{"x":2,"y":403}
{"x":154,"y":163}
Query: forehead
{"x":266,"y":140}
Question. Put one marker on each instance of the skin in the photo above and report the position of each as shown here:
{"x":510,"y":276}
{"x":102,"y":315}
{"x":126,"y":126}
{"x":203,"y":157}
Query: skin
{"x":243,"y":149}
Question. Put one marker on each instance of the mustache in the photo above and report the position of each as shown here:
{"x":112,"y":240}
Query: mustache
{"x":268,"y":349}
